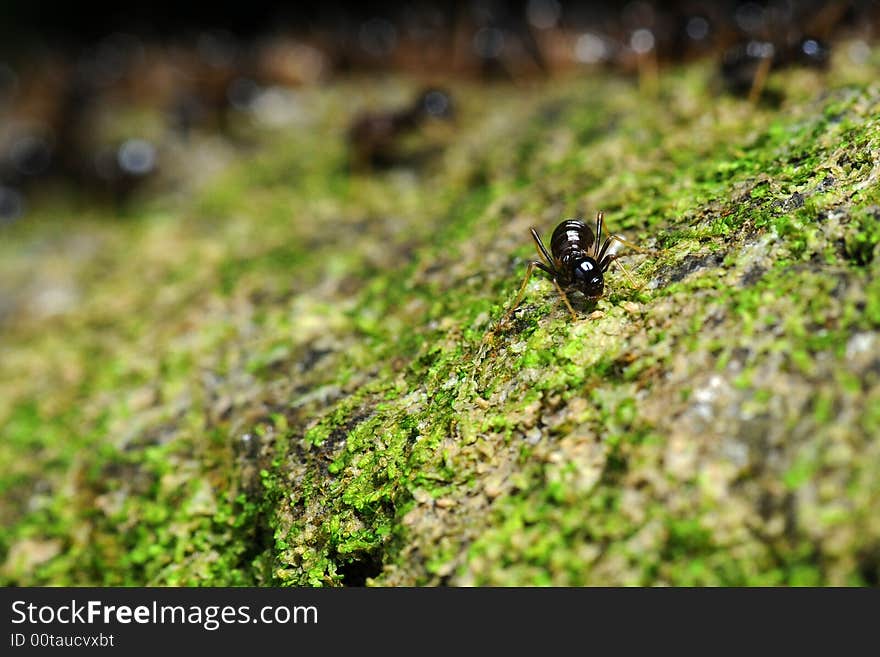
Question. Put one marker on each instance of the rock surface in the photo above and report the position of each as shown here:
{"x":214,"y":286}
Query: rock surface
{"x":296,"y":375}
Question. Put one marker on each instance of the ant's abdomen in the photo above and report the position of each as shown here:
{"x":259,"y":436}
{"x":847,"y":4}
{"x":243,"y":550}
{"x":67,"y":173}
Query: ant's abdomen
{"x":572,"y":236}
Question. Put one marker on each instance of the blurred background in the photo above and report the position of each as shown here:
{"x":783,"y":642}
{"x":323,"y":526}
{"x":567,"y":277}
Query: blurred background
{"x":100,"y":102}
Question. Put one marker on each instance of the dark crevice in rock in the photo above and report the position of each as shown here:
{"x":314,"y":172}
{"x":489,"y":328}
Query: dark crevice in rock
{"x":690,"y":264}
{"x":752,"y":276}
{"x":356,"y":571}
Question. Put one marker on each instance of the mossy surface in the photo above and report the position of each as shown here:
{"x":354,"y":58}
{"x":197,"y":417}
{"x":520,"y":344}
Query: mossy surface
{"x":288,"y":374}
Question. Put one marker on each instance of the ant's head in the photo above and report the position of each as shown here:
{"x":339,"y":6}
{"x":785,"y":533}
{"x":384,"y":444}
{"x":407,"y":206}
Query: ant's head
{"x":586,"y":276}
{"x":436,"y":104}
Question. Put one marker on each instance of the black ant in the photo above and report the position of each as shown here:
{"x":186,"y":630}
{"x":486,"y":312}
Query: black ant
{"x":572,"y":266}
{"x":746,"y":65}
{"x":372,"y":137}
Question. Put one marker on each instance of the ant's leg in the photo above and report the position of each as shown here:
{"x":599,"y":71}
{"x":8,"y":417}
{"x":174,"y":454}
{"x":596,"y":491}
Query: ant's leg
{"x":565,"y":299}
{"x":522,"y":288}
{"x":618,"y":238}
{"x":542,"y":250}
{"x":600,"y":217}
{"x":601,"y":254}
{"x":606,"y":262}
{"x":760,"y":79}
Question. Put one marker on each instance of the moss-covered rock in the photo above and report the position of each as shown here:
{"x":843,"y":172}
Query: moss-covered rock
{"x":294,"y":375}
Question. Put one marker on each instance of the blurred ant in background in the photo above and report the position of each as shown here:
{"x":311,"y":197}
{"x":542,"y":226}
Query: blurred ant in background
{"x":746,"y":65}
{"x":772,"y":39}
{"x":374,"y":137}
{"x":53,"y":135}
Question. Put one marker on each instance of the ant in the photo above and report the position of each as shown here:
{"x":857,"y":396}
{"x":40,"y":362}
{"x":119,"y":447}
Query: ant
{"x":746,"y":65}
{"x":372,"y":136}
{"x":572,"y":265}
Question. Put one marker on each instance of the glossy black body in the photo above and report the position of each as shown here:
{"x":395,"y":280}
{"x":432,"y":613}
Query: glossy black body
{"x":577,"y":260}
{"x":570,"y":247}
